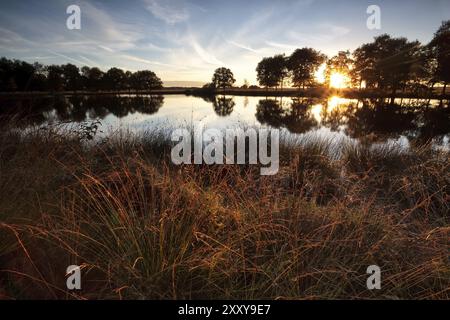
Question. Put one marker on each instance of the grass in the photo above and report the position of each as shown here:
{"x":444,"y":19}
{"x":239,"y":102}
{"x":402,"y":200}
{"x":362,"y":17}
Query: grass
{"x":143,"y":228}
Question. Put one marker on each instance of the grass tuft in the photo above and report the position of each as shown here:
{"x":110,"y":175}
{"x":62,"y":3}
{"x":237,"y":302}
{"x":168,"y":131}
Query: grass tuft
{"x":143,"y":228}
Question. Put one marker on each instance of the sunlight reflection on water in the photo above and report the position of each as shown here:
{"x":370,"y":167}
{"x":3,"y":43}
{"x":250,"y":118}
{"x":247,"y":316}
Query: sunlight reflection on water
{"x":337,"y":119}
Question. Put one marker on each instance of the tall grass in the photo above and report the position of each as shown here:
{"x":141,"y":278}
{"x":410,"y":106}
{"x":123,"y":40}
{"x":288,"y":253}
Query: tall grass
{"x":141,"y":227}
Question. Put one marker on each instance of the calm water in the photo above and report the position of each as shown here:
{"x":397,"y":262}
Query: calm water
{"x":401,"y":121}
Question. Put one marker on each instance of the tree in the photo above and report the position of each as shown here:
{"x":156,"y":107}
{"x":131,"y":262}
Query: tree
{"x":397,"y":59}
{"x":93,"y":78}
{"x":6,"y":67}
{"x":422,"y":72}
{"x":223,"y":78}
{"x":20,"y":75}
{"x":55,"y":77}
{"x":364,"y":66}
{"x":386,"y":63}
{"x":265,"y":74}
{"x":440,"y":53}
{"x":114,"y":79}
{"x":128,"y":80}
{"x":39,"y":78}
{"x":145,"y":80}
{"x":72,"y":77}
{"x":280,"y":67}
{"x":272,"y":71}
{"x":341,"y":63}
{"x":24,"y":73}
{"x":303,"y":63}
{"x":85,"y":76}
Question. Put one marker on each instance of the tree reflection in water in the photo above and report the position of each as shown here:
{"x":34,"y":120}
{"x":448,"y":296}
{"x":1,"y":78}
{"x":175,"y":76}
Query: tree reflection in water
{"x":270,"y":112}
{"x":382,"y":120}
{"x":223,"y":106}
{"x":296,"y":116}
{"x":79,"y":108}
{"x":299,"y":118}
{"x":377,"y":119}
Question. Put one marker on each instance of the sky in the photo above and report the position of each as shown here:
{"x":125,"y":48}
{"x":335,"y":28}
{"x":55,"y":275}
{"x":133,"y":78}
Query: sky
{"x":186,"y":40}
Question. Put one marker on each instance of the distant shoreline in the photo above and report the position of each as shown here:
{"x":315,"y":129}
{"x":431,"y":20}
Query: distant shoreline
{"x":260,"y":92}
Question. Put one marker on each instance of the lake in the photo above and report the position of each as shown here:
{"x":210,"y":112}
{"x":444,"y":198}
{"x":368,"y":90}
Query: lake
{"x":402,"y":121}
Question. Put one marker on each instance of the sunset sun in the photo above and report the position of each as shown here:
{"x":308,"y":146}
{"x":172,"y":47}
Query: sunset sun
{"x":338,"y":80}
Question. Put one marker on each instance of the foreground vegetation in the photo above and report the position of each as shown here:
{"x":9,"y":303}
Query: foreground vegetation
{"x":144,"y":228}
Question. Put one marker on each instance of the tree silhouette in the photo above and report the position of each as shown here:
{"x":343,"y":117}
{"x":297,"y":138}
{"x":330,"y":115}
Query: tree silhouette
{"x":115,"y":79}
{"x":386,"y":63}
{"x":440,"y":52}
{"x":39,"y":78}
{"x":145,"y":80}
{"x":223,"y":78}
{"x":21,"y":75}
{"x":302,"y":64}
{"x":341,"y":63}
{"x":271,"y":71}
{"x":55,"y":77}
{"x":93,"y":78}
{"x":128,"y":80}
{"x":6,"y":73}
{"x":18,"y":75}
{"x":364,"y":66}
{"x":72,"y":77}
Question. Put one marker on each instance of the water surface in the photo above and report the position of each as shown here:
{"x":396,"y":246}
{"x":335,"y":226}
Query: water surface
{"x":401,"y":121}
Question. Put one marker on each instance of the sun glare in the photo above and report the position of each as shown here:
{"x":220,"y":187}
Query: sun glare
{"x":338,"y":80}
{"x":334,"y":102}
{"x":316,"y":111}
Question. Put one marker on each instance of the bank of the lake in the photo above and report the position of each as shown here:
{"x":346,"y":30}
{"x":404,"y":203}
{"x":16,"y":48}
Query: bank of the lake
{"x":142,"y":227}
{"x":318,"y":92}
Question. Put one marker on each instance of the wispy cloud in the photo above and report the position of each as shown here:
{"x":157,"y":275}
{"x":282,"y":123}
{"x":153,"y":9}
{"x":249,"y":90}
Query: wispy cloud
{"x":242,"y":46}
{"x":284,"y":46}
{"x":319,"y":34}
{"x":153,"y":47}
{"x":90,"y":62}
{"x":171,"y":12}
{"x":146,"y":61}
{"x":11,"y":40}
{"x":67,"y":57}
{"x":105,"y":48}
{"x":335,"y":30}
{"x":109,"y":32}
{"x":205,"y":55}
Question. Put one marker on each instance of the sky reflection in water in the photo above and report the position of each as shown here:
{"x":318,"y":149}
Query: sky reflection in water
{"x":369,"y":120}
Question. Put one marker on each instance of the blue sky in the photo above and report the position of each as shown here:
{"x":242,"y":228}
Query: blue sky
{"x":185,"y":40}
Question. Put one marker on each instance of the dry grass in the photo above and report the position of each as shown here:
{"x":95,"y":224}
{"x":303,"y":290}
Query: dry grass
{"x":144,"y":228}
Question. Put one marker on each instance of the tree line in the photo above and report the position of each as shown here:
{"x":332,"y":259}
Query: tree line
{"x":386,"y":63}
{"x":16,"y":75}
